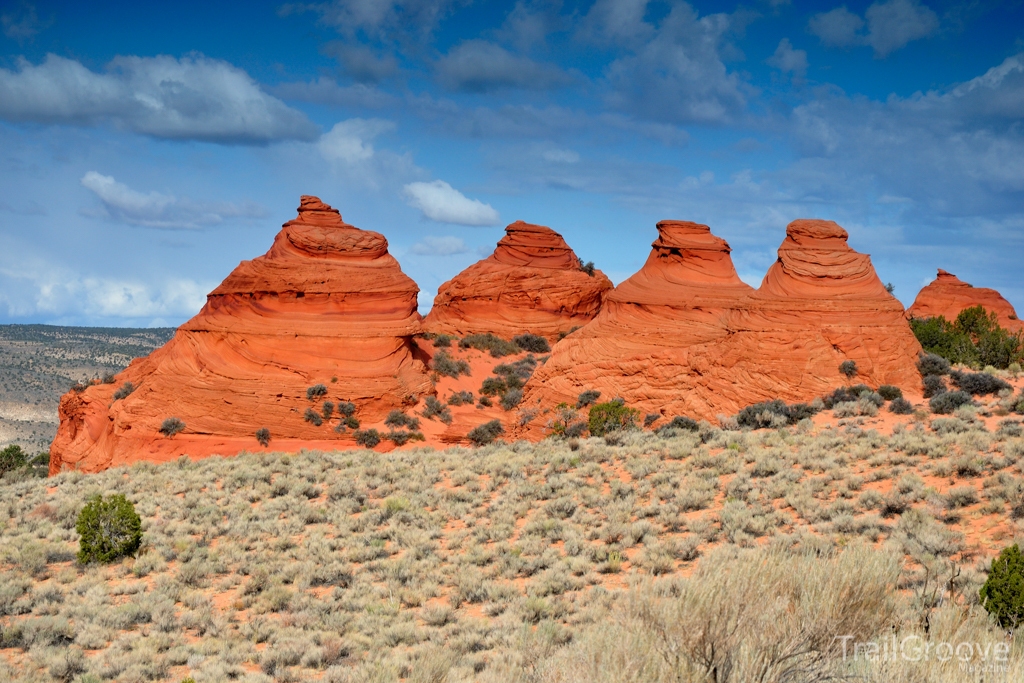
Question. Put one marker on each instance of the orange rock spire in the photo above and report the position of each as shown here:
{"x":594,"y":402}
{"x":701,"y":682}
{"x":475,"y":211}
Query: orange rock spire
{"x":947,"y":295}
{"x":531,"y":283}
{"x":326,"y":305}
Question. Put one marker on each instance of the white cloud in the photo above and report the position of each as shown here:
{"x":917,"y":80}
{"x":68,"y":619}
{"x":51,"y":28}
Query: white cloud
{"x":441,"y":202}
{"x":192,"y":98}
{"x":837,"y":28}
{"x":155,"y":210}
{"x":678,"y":75}
{"x":890,"y":26}
{"x":33,"y":288}
{"x":480,"y":66}
{"x":617,"y":22}
{"x":788,"y":60}
{"x":440,"y":246}
{"x":348,"y":141}
{"x":377,"y":18}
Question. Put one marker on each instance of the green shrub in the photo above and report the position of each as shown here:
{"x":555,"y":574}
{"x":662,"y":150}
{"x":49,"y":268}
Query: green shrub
{"x":493,"y":386}
{"x":974,"y":339}
{"x":327,"y":409}
{"x":400,"y":437}
{"x":681,"y":423}
{"x":531,"y":342}
{"x":1003,"y":592}
{"x":978,"y":383}
{"x":316,"y":391}
{"x":108,"y":529}
{"x":11,"y":458}
{"x":587,"y":268}
{"x":611,"y":416}
{"x":444,"y":364}
{"x":485,"y":433}
{"x":497,"y":346}
{"x":346,"y":408}
{"x":933,"y":385}
{"x":459,"y":398}
{"x":901,"y":406}
{"x":441,"y":341}
{"x":313,"y":417}
{"x":848,"y":368}
{"x":946,"y":403}
{"x":889,"y":392}
{"x":172,"y":426}
{"x":565,"y":333}
{"x":764,"y":414}
{"x":932,"y":364}
{"x":124,"y":391}
{"x":367,"y":438}
{"x":651,"y":418}
{"x":587,"y":398}
{"x":511,"y":398}
{"x":263,"y":436}
{"x":433,"y":408}
{"x":396,"y":418}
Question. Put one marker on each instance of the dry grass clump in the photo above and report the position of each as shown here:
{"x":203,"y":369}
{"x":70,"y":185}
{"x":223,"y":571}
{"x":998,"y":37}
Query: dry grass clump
{"x":514,"y":561}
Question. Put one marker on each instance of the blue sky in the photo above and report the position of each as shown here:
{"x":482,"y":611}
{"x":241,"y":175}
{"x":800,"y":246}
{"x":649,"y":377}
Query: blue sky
{"x":147,"y":148}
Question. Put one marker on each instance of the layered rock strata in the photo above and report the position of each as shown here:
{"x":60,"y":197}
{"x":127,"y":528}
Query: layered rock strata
{"x":684,"y":336}
{"x":947,"y":295}
{"x":532,"y":283}
{"x":326,"y":305}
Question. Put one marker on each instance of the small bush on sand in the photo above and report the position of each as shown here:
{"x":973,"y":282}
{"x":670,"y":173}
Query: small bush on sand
{"x":889,"y":392}
{"x":263,"y":436}
{"x":313,"y":417}
{"x":1003,"y":592}
{"x":368,"y":438}
{"x":108,"y":529}
{"x":587,"y":398}
{"x":932,"y":364}
{"x":772,"y":414}
{"x":681,"y":423}
{"x":172,"y":426}
{"x":486,"y":433}
{"x":316,"y":391}
{"x":511,"y":398}
{"x":346,"y":408}
{"x":531,"y":342}
{"x":434,"y":409}
{"x":934,"y":385}
{"x":444,"y":364}
{"x":946,"y":403}
{"x":396,"y":418}
{"x":848,"y":368}
{"x":978,"y":383}
{"x":459,"y":398}
{"x":901,"y":406}
{"x":611,"y":416}
{"x":497,"y":346}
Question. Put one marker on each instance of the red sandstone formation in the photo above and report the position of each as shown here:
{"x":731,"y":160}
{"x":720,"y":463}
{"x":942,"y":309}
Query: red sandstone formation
{"x":685,"y":336}
{"x":947,"y":295}
{"x":326,"y":305}
{"x":531,"y":283}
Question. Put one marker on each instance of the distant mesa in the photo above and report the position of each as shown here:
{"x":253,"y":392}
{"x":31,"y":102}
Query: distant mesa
{"x":685,"y":336}
{"x":532,"y":283}
{"x":947,"y":295}
{"x":327,"y":304}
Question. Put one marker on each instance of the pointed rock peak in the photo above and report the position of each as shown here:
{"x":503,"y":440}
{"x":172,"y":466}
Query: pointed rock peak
{"x":688,"y":235}
{"x":526,"y":244}
{"x":813,"y":233}
{"x":944,"y":277}
{"x":312,"y":211}
{"x":319,"y":231}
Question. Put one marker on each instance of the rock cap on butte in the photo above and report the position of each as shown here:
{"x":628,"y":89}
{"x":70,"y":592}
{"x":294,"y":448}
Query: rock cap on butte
{"x":532,"y":283}
{"x":947,"y":295}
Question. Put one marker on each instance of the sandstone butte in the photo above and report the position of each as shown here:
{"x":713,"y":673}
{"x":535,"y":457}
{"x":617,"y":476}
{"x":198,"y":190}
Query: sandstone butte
{"x":532,"y":283}
{"x":685,"y":336}
{"x":326,"y":305}
{"x":947,"y":295}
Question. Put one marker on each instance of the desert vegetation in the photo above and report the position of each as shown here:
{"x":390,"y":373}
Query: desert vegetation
{"x":689,"y":553}
{"x":974,"y":339}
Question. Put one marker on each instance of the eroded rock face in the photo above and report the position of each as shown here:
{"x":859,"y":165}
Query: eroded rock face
{"x":326,"y":305}
{"x":684,"y":336}
{"x":532,"y":283}
{"x":947,"y":295}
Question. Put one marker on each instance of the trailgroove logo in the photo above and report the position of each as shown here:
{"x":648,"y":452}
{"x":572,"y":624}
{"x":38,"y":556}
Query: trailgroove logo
{"x":973,"y":657}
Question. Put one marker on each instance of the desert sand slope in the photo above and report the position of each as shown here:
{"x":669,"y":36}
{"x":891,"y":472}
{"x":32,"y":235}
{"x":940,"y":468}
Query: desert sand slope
{"x":684,"y":336}
{"x":532,"y":283}
{"x":326,"y":305}
{"x":947,"y":295}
